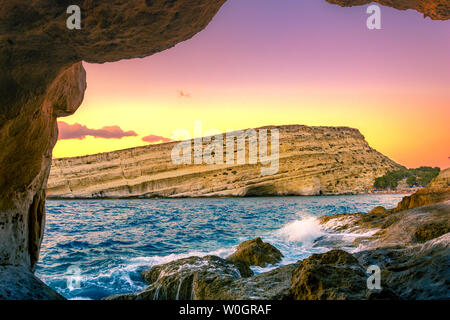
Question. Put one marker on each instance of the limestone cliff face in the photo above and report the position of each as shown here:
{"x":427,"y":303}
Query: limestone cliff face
{"x":313,"y":160}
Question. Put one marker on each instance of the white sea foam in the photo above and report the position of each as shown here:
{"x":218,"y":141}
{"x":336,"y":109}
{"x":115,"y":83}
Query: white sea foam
{"x":157,"y":260}
{"x":305,"y":230}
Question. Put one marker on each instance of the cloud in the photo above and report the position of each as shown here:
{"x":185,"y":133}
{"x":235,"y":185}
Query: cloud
{"x":78,"y":131}
{"x":183,"y":94}
{"x":153,"y":139}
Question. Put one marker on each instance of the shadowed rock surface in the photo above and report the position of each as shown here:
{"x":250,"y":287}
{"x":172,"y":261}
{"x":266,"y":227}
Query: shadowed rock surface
{"x":193,"y":278}
{"x":214,"y":278}
{"x":415,"y":272}
{"x":210,"y":278}
{"x":18,"y":283}
{"x":334,"y":275}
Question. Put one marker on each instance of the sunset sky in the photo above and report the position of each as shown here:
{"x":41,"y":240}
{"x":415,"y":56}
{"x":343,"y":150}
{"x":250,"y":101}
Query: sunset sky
{"x":264,"y":62}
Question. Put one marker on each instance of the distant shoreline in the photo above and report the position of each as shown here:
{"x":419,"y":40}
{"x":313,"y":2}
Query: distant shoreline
{"x":230,"y":197}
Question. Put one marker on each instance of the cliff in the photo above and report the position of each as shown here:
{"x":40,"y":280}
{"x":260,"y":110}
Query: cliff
{"x":437,"y":190}
{"x":312,"y":160}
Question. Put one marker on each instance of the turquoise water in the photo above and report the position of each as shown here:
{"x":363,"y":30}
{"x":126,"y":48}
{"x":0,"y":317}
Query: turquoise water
{"x":107,"y":243}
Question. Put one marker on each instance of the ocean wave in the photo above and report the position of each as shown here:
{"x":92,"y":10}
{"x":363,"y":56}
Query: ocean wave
{"x":305,"y":230}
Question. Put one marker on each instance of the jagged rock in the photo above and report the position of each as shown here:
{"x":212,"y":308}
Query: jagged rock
{"x":411,"y":247}
{"x":416,"y":272}
{"x":334,"y":275}
{"x":438,"y":190}
{"x":18,"y":283}
{"x":255,"y":253}
{"x":312,"y":161}
{"x":193,"y":278}
{"x":210,"y":278}
{"x":377,"y":210}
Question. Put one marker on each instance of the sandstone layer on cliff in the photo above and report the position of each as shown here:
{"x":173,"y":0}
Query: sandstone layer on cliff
{"x":313,"y":160}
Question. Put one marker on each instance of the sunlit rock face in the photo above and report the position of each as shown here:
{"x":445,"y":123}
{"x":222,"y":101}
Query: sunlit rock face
{"x":312,"y":161}
{"x":41,"y":78}
{"x":435,"y":9}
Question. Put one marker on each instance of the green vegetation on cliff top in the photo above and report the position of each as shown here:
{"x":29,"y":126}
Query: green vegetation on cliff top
{"x":414,"y":177}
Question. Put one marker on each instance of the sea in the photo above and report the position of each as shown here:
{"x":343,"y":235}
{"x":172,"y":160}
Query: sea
{"x":96,"y":248}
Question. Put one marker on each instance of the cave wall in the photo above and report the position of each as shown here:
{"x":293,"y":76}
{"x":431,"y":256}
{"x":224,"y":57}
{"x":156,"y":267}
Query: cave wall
{"x":41,"y":78}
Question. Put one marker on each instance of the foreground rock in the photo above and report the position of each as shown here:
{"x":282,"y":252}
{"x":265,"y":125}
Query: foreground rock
{"x":255,"y":253}
{"x":214,"y":278}
{"x":411,"y":247}
{"x":193,"y":278}
{"x":437,"y":190}
{"x":210,"y":278}
{"x":18,"y":283}
{"x":417,"y":272}
{"x":334,"y":275}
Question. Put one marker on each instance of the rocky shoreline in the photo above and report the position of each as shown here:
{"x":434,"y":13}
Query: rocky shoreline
{"x":410,"y":245}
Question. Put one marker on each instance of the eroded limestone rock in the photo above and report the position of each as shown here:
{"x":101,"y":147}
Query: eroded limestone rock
{"x":312,"y":161}
{"x":41,"y":78}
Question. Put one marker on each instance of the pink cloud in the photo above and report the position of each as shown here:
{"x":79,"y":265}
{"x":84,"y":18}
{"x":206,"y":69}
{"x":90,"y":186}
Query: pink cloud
{"x":78,"y":131}
{"x":183,"y":94}
{"x":153,"y":139}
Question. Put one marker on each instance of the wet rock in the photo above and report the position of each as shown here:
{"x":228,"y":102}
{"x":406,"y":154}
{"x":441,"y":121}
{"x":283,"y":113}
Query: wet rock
{"x":377,"y":210}
{"x":255,"y":253}
{"x":335,"y":275}
{"x":192,"y":278}
{"x":431,"y":230}
{"x":18,"y":283}
{"x":420,"y":271}
{"x":210,"y":278}
{"x":272,"y":285}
